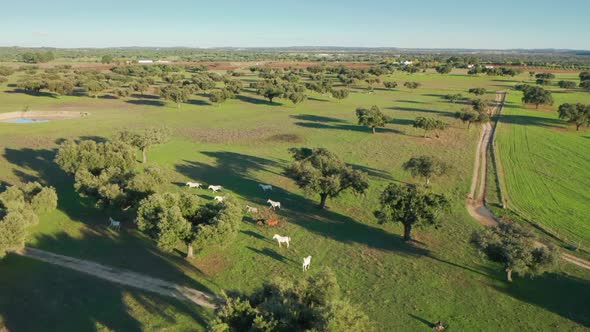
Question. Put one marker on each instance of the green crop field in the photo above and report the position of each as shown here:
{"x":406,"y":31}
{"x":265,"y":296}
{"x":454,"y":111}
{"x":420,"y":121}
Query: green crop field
{"x":243,"y":142}
{"x":545,"y":165}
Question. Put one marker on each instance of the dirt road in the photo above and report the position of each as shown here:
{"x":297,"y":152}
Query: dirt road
{"x":123,"y":277}
{"x":476,"y":199}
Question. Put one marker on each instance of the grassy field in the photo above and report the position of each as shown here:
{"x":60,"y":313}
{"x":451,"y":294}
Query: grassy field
{"x":244,"y":142}
{"x":545,"y":165}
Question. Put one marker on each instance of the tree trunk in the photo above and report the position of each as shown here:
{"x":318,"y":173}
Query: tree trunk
{"x":578,"y":126}
{"x":144,"y":153}
{"x":323,"y":198}
{"x":270,"y":100}
{"x":373,"y":130}
{"x":178,"y":105}
{"x":189,"y":253}
{"x":537,"y":106}
{"x":468,"y":124}
{"x":509,"y":275}
{"x":407,"y":232}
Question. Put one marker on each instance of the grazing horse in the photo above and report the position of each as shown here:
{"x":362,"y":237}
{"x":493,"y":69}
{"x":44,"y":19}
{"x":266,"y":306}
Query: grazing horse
{"x":265,"y":187}
{"x":219,"y":198}
{"x":282,"y":239}
{"x":114,"y":224}
{"x":251,"y":209}
{"x":193,"y":185}
{"x":214,"y":188}
{"x":274,"y":204}
{"x":306,"y":263}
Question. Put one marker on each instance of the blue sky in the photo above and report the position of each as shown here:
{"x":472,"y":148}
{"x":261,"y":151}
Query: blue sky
{"x":371,"y":23}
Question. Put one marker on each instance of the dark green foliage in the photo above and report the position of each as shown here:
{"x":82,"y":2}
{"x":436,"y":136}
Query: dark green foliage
{"x":480,"y":105}
{"x":453,"y":97}
{"x":578,"y":114}
{"x":175,"y":94}
{"x":312,"y":304}
{"x":584,"y":76}
{"x":19,"y":206}
{"x":567,"y":84}
{"x":585,"y":85}
{"x":469,"y":116}
{"x":371,"y":117}
{"x":106,"y":59}
{"x":145,"y":139}
{"x":410,"y":206}
{"x":340,"y":93}
{"x":477,"y":91}
{"x":6,"y":71}
{"x":321,"y":172}
{"x":516,"y":248}
{"x":37,"y":57}
{"x":171,"y":218}
{"x":390,"y":85}
{"x":412,"y":85}
{"x":429,"y":124}
{"x":543,"y":81}
{"x":444,"y":69}
{"x":426,"y":167}
{"x":220,"y":96}
{"x":107,"y":172}
{"x":536,"y":95}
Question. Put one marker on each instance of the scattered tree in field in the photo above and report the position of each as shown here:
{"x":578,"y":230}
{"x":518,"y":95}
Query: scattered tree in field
{"x":390,"y":85}
{"x":6,"y":71}
{"x":312,"y":304}
{"x":140,"y":86}
{"x":537,"y":95}
{"x":60,"y":87}
{"x":546,"y":76}
{"x":481,"y":105}
{"x":444,"y":69}
{"x":371,"y":117}
{"x":469,"y":116}
{"x":410,"y":206}
{"x":411,"y":69}
{"x":426,"y":167}
{"x":321,"y":172}
{"x":531,"y":74}
{"x":218,"y":96}
{"x":106,"y":59}
{"x":584,"y":76}
{"x":235,"y":86}
{"x":429,"y":124}
{"x":340,"y":93}
{"x":122,"y":93}
{"x":578,"y":114}
{"x":171,"y":218}
{"x":515,"y":247}
{"x":95,"y":87}
{"x":452,"y":98}
{"x":567,"y":84}
{"x":107,"y":172}
{"x":297,"y":97}
{"x":412,"y":85}
{"x":146,"y":139}
{"x":477,"y":91}
{"x":543,"y":81}
{"x":271,"y":90}
{"x":175,"y":94}
{"x":585,"y":85}
{"x":19,"y":209}
{"x":37,"y":57}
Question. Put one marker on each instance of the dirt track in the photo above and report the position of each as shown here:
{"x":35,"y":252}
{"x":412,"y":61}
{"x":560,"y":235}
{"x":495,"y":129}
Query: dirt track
{"x":123,"y":277}
{"x":475,"y":202}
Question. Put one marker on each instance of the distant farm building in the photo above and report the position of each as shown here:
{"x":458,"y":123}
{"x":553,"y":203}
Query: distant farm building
{"x":407,"y":63}
{"x":145,"y":61}
{"x":489,"y":67}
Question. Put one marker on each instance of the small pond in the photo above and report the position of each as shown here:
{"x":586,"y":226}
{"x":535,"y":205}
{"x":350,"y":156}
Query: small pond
{"x":27,"y":120}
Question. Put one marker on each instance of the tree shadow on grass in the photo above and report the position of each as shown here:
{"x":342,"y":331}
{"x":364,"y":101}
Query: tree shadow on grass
{"x":37,"y":296}
{"x":316,"y":118}
{"x":198,"y":102}
{"x":145,"y":102}
{"x":403,"y":122}
{"x":565,"y":295}
{"x":530,"y":120}
{"x":348,"y":127}
{"x":422,"y":110}
{"x":298,"y":209}
{"x":32,"y":93}
{"x":272,"y":254}
{"x":257,"y":101}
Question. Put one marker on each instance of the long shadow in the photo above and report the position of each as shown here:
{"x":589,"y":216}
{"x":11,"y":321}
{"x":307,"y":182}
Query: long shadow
{"x":422,"y":110}
{"x":349,"y":127}
{"x":145,"y":96}
{"x":198,"y":102}
{"x":257,"y":101}
{"x":565,"y":295}
{"x":410,"y":101}
{"x":403,"y":122}
{"x":272,"y":254}
{"x":422,"y":320}
{"x":147,"y":102}
{"x":316,"y":118}
{"x":318,"y":99}
{"x":298,"y":209}
{"x":530,"y":120}
{"x":32,"y":93}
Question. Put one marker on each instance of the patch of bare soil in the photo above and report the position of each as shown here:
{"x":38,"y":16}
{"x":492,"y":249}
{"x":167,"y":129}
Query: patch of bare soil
{"x":289,"y":138}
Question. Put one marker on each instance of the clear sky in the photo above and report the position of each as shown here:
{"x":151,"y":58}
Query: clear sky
{"x":272,"y":23}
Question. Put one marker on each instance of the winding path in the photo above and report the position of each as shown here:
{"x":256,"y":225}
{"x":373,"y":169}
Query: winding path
{"x":123,"y":277}
{"x":475,"y":202}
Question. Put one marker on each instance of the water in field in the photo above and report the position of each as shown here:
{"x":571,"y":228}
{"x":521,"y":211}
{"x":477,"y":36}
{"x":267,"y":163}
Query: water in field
{"x":27,"y":120}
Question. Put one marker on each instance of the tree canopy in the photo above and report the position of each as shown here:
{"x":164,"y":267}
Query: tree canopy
{"x":19,"y":209}
{"x":469,"y":116}
{"x":371,"y":117}
{"x":429,"y":124}
{"x":426,"y":167}
{"x":578,"y":114}
{"x":536,"y":95}
{"x":176,"y":94}
{"x":314,"y":303}
{"x":411,"y":206}
{"x":145,"y":139}
{"x":321,"y":172}
{"x":515,"y":247}
{"x":477,"y":91}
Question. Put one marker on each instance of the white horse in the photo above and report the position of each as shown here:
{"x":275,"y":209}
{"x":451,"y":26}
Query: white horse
{"x":193,"y":185}
{"x":265,"y":187}
{"x":282,"y":239}
{"x":219,"y":198}
{"x":251,"y":209}
{"x":214,"y":188}
{"x":274,"y":204}
{"x":306,"y":263}
{"x":114,"y":224}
